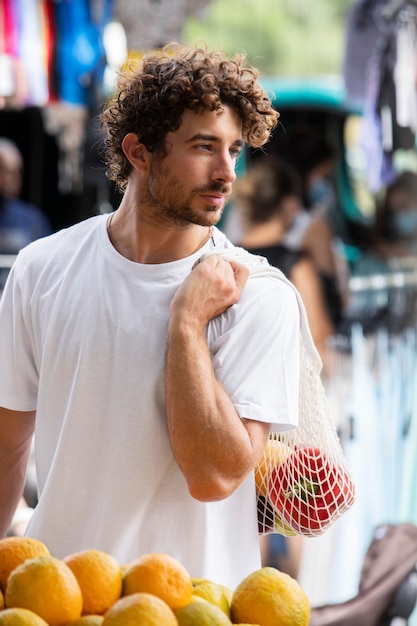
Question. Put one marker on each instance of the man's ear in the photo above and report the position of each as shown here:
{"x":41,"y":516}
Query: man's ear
{"x":136,"y":153}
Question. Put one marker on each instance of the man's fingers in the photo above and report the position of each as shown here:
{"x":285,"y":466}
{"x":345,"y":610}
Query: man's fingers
{"x":241,"y":273}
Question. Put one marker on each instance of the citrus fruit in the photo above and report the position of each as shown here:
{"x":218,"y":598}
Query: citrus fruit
{"x":14,"y":551}
{"x":87,"y":620}
{"x":215,"y":594}
{"x":196,"y":599}
{"x":1,"y":600}
{"x":46,"y":586}
{"x":275,"y":452}
{"x":159,"y":574}
{"x":20,"y":617}
{"x":269,"y":597}
{"x":201,"y":614}
{"x":140,"y":608}
{"x":100,"y":579}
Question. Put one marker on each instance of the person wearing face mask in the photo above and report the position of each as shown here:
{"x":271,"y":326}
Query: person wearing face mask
{"x":396,"y":223}
{"x":314,"y":159}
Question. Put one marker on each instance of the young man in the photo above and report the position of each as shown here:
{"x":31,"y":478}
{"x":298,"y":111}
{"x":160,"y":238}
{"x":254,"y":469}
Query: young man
{"x":151,"y":379}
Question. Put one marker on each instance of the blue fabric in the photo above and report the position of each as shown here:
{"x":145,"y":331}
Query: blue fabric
{"x":80,"y":49}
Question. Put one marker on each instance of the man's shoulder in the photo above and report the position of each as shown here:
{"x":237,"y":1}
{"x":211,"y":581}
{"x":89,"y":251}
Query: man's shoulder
{"x":58,"y":245}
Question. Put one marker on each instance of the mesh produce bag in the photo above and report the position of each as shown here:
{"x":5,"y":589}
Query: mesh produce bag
{"x":302,"y":482}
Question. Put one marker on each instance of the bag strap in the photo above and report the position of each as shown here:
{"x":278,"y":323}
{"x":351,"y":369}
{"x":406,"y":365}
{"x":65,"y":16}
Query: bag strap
{"x":260,"y":267}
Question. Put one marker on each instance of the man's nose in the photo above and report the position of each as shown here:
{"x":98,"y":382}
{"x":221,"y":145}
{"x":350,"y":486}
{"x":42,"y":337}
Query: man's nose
{"x":225,"y":168}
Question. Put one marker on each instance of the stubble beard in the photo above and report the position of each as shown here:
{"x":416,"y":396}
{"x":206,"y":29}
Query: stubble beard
{"x":170,"y":203}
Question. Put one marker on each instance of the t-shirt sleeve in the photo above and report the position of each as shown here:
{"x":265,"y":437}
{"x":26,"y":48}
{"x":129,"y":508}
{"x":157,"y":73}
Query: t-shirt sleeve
{"x":255,"y":349}
{"x":18,"y":372}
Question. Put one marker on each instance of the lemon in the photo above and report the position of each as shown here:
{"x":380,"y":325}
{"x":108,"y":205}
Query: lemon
{"x":14,"y":551}
{"x":46,"y":586}
{"x":140,"y":608}
{"x":269,"y":597}
{"x":20,"y":617}
{"x":202,"y":614}
{"x":216,"y":594}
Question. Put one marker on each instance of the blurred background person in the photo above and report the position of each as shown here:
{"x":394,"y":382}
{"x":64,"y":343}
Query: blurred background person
{"x":20,"y":221}
{"x":314,"y":158}
{"x":269,"y":199}
{"x":396,"y":222}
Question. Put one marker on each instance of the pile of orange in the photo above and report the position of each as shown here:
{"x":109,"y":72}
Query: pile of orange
{"x":90,"y":588}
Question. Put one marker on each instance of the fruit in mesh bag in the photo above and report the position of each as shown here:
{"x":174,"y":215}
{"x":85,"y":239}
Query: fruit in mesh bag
{"x":309,"y":491}
{"x":275,"y":452}
{"x":269,"y":521}
{"x":269,"y":597}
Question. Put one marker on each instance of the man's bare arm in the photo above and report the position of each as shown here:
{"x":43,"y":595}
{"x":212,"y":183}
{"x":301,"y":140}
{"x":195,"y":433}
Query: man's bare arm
{"x":213,"y":446}
{"x":16,"y":431}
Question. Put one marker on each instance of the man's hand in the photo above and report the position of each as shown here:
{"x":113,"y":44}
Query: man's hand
{"x":210,"y":289}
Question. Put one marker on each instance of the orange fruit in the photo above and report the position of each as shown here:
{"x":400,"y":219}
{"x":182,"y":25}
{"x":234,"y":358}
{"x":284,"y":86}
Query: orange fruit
{"x":87,"y":620}
{"x":100,"y":579}
{"x":14,"y":551}
{"x":161,"y":575}
{"x":46,"y":586}
{"x":140,"y":608}
{"x":202,"y":614}
{"x":20,"y":617}
{"x":269,"y":597}
{"x":275,"y":452}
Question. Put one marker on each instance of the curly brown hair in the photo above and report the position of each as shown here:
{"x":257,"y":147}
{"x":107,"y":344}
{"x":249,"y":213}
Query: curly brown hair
{"x":153,"y":93}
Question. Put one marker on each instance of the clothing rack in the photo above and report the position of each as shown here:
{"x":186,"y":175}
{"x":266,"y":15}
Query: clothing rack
{"x":394,"y":279}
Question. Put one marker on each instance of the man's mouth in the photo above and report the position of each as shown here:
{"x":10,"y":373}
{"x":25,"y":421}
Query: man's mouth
{"x":214,"y":199}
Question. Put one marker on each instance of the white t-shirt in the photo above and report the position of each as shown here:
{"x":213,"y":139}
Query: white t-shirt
{"x":83,"y":334}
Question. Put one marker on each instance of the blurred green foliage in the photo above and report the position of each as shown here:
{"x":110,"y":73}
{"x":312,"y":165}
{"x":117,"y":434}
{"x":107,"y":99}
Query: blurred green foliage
{"x":280,"y":37}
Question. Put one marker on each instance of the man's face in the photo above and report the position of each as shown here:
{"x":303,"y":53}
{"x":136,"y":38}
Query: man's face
{"x":193,"y":182}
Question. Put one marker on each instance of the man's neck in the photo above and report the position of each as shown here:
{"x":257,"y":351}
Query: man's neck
{"x":146,"y":243}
